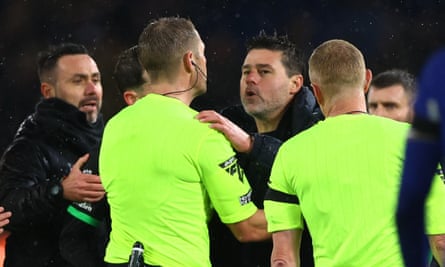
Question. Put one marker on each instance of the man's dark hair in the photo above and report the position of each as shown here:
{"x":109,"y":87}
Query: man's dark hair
{"x":128,"y":70}
{"x":47,"y":60}
{"x":292,"y":57}
{"x":396,"y":77}
{"x":163,"y":43}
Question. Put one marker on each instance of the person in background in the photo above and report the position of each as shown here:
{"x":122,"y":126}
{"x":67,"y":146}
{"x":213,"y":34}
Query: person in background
{"x":391,"y":95}
{"x":327,"y":174}
{"x":48,"y":175}
{"x":275,"y":106}
{"x":131,"y":79}
{"x":425,"y":147}
{"x":165,"y":172}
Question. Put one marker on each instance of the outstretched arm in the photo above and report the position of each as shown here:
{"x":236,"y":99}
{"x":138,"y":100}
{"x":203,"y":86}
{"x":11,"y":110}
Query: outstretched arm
{"x":256,"y":149}
{"x":240,"y":140}
{"x":255,"y":153}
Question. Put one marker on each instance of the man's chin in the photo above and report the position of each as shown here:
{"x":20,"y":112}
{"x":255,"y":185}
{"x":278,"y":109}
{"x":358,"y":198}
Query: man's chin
{"x":91,"y":116}
{"x":253,"y":110}
{"x":249,"y":107}
{"x":90,"y":112}
{"x":92,"y":119}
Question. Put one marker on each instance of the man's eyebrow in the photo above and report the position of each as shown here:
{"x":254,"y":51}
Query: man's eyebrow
{"x":79,"y":75}
{"x":263,"y":66}
{"x":246,"y":66}
{"x":84,"y":76}
{"x":389,"y":102}
{"x":96,"y":74}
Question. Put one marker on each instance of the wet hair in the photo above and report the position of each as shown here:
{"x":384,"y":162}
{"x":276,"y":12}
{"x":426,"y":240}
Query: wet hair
{"x":396,"y":77}
{"x":128,"y":71}
{"x":292,"y":57}
{"x":163,"y":43}
{"x":47,"y":60}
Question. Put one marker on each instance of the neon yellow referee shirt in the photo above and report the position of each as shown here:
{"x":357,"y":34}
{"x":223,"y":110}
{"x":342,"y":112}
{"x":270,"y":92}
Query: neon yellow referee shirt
{"x":163,"y":171}
{"x":345,"y":172}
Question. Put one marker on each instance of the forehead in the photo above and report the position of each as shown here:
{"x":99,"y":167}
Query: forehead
{"x":77,"y":64}
{"x":201,"y":46}
{"x":200,"y":42}
{"x":201,"y":49}
{"x":263,"y":57}
{"x":394,"y":93}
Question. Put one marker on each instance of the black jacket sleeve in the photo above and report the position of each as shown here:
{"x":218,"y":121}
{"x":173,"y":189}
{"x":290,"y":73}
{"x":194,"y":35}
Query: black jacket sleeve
{"x":27,"y":188}
{"x":83,"y":241}
{"x":258,"y":164}
{"x":263,"y":152}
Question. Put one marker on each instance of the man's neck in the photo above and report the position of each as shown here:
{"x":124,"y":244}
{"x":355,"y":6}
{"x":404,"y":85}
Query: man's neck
{"x":173,"y":90}
{"x":266,"y":126}
{"x":345,"y":106}
{"x":269,"y":124}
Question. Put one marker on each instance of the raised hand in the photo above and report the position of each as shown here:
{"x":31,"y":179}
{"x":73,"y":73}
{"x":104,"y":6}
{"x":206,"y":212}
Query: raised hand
{"x":240,"y":140}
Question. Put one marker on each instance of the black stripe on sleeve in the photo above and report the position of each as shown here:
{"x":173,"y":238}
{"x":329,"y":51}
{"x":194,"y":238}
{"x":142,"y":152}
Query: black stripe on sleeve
{"x":278,"y":196}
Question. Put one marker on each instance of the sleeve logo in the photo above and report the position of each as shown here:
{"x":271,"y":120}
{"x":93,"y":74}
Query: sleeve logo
{"x":232,"y":167}
{"x":245,"y":199}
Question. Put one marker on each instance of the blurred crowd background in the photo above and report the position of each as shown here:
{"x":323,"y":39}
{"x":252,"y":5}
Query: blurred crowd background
{"x":391,"y":34}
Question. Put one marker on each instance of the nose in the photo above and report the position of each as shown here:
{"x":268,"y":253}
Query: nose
{"x":252,"y":77}
{"x":90,"y":88}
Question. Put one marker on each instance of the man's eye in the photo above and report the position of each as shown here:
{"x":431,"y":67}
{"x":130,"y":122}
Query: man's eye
{"x":263,"y":72}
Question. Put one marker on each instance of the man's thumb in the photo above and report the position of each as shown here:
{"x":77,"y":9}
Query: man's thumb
{"x":79,"y":163}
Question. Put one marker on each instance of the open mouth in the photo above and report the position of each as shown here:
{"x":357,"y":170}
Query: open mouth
{"x":250,"y":93}
{"x":90,"y":105}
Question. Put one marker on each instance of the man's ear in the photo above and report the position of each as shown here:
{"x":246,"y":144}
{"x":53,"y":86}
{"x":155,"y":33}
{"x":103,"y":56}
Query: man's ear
{"x":187,"y":60}
{"x":47,"y":90}
{"x":130,"y":97}
{"x":368,"y":78}
{"x":296,"y":83}
{"x":317,"y":93}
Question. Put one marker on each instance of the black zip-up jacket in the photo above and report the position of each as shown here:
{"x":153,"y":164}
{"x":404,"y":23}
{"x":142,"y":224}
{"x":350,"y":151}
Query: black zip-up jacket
{"x":302,"y":113}
{"x":45,"y":147}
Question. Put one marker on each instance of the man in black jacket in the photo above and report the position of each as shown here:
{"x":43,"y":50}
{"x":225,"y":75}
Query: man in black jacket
{"x":48,"y":175}
{"x":275,"y":106}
